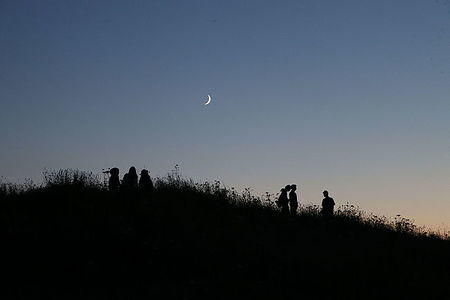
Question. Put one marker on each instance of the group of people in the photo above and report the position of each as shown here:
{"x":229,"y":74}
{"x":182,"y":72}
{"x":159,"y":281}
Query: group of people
{"x":130,"y":180}
{"x":289,"y":204}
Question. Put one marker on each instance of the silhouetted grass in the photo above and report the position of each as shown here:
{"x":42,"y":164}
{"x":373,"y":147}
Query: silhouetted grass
{"x":71,"y":238}
{"x":71,"y":177}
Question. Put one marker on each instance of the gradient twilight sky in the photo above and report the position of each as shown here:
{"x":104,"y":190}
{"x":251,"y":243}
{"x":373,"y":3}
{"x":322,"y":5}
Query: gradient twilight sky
{"x":352,"y":96}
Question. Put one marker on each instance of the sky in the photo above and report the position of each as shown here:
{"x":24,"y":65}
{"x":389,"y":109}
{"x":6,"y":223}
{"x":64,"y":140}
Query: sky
{"x":350,"y":96}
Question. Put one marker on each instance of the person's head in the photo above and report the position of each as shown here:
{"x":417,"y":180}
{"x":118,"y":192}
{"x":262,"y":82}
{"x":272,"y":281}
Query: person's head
{"x":287,"y":188}
{"x":114,"y":172}
{"x":325,"y":193}
{"x":132,"y":171}
{"x":293,"y":187}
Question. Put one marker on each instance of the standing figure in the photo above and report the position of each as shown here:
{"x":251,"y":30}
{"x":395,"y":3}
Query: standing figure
{"x":114,"y":181}
{"x":283,"y":201}
{"x":130,"y":180}
{"x":327,"y":205}
{"x":293,"y":203}
{"x":145,"y":182}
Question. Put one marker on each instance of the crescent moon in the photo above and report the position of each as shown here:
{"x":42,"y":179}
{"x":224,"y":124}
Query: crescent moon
{"x":209,"y":100}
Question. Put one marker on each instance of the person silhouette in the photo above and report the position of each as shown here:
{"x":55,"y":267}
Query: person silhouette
{"x":130,"y":179}
{"x":145,"y":182}
{"x":293,"y":203}
{"x":114,"y":181}
{"x":283,"y":200}
{"x":327,"y":205}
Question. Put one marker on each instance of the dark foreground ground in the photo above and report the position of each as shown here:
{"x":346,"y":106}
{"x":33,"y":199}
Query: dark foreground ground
{"x":72,"y":242}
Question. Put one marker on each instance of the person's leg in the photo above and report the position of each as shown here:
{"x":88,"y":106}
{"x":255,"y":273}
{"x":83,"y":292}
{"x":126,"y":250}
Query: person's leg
{"x":294,"y":209}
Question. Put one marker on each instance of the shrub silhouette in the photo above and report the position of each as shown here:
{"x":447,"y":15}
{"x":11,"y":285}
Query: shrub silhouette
{"x":71,"y":177}
{"x":71,"y":238}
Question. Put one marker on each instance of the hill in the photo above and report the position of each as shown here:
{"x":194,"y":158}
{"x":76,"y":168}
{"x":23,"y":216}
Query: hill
{"x":72,"y":239}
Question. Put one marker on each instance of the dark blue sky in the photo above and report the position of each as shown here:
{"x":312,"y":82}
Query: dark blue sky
{"x":352,"y":96}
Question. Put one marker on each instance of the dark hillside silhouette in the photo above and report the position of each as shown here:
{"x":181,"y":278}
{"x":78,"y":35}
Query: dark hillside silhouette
{"x":73,"y":239}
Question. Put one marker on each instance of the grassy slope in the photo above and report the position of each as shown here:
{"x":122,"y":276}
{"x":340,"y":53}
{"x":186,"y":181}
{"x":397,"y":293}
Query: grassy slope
{"x":86,"y":243}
